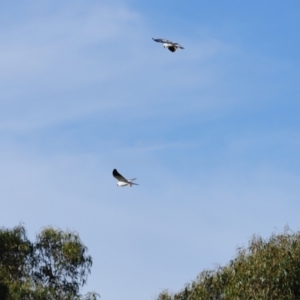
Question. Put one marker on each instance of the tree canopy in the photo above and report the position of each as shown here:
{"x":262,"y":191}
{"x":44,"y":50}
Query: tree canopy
{"x":266,"y":269}
{"x":55,"y":266}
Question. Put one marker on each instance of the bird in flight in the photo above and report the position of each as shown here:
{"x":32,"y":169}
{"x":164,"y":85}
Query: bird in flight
{"x":122,"y":181}
{"x":168,"y":44}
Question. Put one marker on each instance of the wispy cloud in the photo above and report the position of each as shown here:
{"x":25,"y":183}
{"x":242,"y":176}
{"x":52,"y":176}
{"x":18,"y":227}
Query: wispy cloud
{"x":76,"y":61}
{"x":195,"y":220}
{"x":211,"y":133}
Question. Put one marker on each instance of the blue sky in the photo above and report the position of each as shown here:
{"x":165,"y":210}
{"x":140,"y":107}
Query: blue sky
{"x":211,"y":132}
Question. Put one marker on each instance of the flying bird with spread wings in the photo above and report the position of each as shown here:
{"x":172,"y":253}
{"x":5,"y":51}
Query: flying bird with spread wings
{"x":122,"y":181}
{"x":168,"y":44}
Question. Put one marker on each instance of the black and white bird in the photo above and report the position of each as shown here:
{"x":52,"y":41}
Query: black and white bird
{"x":168,"y":44}
{"x":122,"y":181}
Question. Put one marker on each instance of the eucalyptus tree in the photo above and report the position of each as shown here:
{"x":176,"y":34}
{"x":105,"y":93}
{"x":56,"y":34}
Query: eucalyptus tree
{"x":55,"y":266}
{"x":266,"y":269}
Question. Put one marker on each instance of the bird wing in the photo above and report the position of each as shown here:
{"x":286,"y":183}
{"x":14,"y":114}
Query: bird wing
{"x":162,"y":41}
{"x":167,"y":42}
{"x":118,"y":176}
{"x":133,"y":179}
{"x":177,"y":45}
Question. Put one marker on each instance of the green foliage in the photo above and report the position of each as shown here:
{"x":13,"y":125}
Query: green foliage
{"x":15,"y":252}
{"x":61,"y":261}
{"x":266,"y":270}
{"x":55,"y":266}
